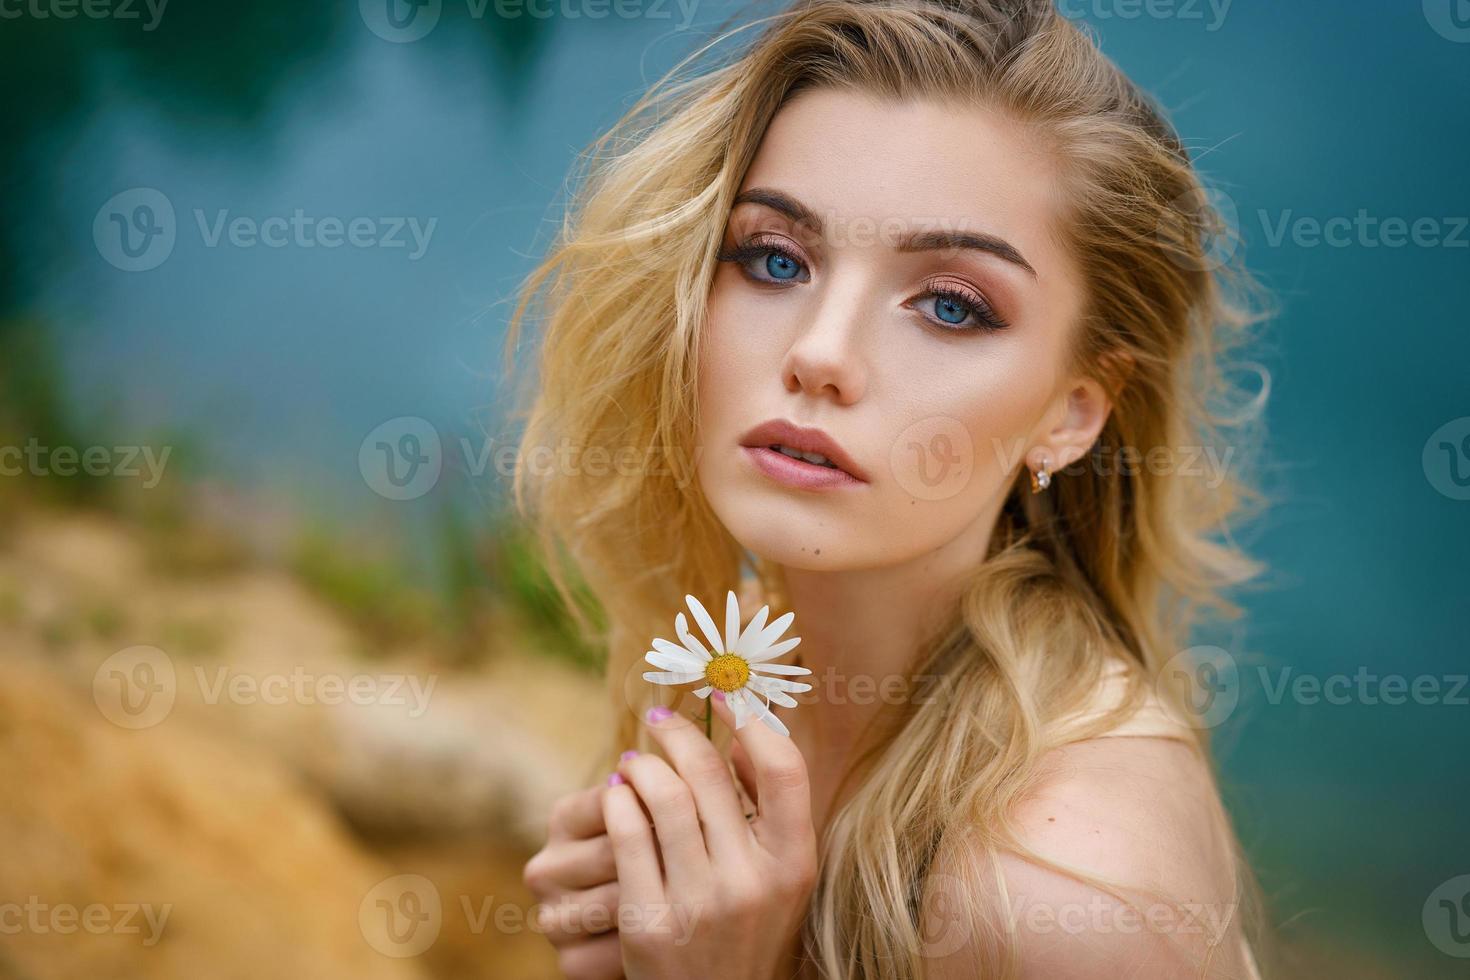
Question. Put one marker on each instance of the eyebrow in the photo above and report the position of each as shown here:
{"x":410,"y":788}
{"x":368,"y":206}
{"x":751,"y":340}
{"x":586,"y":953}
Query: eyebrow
{"x":923,"y":241}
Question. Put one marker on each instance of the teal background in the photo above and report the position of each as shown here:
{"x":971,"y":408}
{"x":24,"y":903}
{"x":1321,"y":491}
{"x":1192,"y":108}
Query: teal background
{"x":277,"y":362}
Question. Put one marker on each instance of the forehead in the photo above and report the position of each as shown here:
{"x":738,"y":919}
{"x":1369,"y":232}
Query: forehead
{"x":849,"y":155}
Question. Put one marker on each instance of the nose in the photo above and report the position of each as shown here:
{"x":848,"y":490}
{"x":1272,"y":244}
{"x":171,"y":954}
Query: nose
{"x":826,"y":358}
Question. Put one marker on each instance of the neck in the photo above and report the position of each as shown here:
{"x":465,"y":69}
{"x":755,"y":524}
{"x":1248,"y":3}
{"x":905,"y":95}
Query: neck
{"x":861,"y":630}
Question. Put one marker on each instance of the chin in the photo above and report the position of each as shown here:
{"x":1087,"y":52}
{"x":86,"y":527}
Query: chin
{"x":784,"y":550}
{"x":788,"y":528}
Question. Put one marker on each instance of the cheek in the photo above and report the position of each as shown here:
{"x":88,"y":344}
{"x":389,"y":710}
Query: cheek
{"x":959,"y":435}
{"x":735,"y":359}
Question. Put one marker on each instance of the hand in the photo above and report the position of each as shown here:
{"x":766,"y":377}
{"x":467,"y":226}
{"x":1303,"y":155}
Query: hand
{"x":575,"y":878}
{"x":730,"y":898}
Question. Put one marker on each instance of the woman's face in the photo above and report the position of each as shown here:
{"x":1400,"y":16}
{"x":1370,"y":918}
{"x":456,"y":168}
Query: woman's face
{"x":890,"y":275}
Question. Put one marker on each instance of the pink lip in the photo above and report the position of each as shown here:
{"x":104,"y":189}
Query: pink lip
{"x":795,"y":472}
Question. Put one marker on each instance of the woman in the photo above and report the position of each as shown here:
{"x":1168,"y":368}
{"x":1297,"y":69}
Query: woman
{"x":911,"y":309}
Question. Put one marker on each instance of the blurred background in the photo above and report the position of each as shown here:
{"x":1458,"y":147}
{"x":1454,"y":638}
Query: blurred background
{"x":284,"y":690}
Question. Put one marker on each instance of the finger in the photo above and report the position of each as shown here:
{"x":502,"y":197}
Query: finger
{"x":595,"y":959}
{"x":739,"y":757}
{"x":635,"y":851}
{"x":571,"y":864}
{"x":580,"y":915}
{"x":675,"y":817}
{"x":577,"y":815}
{"x":745,"y":771}
{"x":707,"y":775}
{"x":783,"y":791}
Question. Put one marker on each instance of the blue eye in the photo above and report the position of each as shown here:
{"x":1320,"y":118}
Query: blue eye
{"x":953,"y":307}
{"x":781,"y":265}
{"x":950,"y":311}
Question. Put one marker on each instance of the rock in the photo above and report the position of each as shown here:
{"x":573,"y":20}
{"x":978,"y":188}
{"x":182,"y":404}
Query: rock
{"x":166,"y":852}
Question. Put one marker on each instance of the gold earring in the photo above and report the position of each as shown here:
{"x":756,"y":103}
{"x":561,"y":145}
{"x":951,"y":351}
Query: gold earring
{"x":1040,"y":481}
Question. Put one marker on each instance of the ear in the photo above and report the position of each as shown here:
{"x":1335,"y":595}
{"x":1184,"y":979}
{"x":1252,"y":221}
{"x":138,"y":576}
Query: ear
{"x":1076,"y":420}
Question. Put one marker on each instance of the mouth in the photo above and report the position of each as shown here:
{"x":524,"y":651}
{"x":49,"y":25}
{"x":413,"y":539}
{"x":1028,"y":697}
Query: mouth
{"x":804,"y":456}
{"x":816,"y":459}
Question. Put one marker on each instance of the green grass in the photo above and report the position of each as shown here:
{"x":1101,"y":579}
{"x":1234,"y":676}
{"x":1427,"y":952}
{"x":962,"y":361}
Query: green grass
{"x":372,"y":594}
{"x":474,"y":575}
{"x":519,"y":572}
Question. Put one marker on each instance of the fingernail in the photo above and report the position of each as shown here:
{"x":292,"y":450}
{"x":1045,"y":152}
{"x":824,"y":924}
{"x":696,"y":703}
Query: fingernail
{"x":628,"y":754}
{"x":718,"y":695}
{"x":614,"y":779}
{"x":658,"y":713}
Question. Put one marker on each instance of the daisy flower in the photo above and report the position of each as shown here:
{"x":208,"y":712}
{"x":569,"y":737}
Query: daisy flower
{"x":739,"y":664}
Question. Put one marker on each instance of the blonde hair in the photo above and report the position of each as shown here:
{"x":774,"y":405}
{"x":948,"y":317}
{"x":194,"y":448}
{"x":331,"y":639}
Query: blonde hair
{"x":1107,"y":562}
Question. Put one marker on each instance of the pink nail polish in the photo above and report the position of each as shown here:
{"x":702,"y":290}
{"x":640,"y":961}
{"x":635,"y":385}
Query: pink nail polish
{"x":628,"y":754}
{"x":718,"y":695}
{"x":614,"y":779}
{"x":658,"y":713}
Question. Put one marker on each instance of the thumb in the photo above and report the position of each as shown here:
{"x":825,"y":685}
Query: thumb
{"x":739,"y":758}
{"x":745,"y":771}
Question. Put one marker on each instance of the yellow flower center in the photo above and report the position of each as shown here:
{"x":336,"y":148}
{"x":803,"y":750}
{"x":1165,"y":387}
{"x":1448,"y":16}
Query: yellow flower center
{"x":727,"y":672}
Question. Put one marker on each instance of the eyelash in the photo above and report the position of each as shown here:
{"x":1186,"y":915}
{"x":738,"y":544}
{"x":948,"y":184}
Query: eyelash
{"x":755,"y":248}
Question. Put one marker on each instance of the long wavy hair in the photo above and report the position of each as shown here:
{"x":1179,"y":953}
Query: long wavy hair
{"x":1112,"y":561}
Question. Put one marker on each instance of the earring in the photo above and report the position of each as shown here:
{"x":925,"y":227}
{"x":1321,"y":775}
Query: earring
{"x":1040,"y":480}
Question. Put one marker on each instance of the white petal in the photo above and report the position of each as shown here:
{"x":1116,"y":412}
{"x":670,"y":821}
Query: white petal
{"x":765,"y":684}
{"x":752,"y":630}
{"x":732,"y":621}
{"x":690,"y":642}
{"x":779,"y":697}
{"x":780,"y":668}
{"x":771,"y":633}
{"x":738,"y":705}
{"x":698,"y":658}
{"x":703,"y":692}
{"x":706,"y":625}
{"x":674,"y":661}
{"x":672,"y":677}
{"x":765,"y":715}
{"x":771,"y":653}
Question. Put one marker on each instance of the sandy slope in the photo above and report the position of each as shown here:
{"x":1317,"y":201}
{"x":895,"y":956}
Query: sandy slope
{"x":256,"y":814}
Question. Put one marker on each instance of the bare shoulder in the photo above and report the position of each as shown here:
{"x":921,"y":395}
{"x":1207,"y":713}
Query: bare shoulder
{"x":1142,"y":812}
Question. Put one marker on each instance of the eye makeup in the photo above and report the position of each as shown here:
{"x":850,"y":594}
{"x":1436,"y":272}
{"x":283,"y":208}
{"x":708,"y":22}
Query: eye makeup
{"x":767,"y":260}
